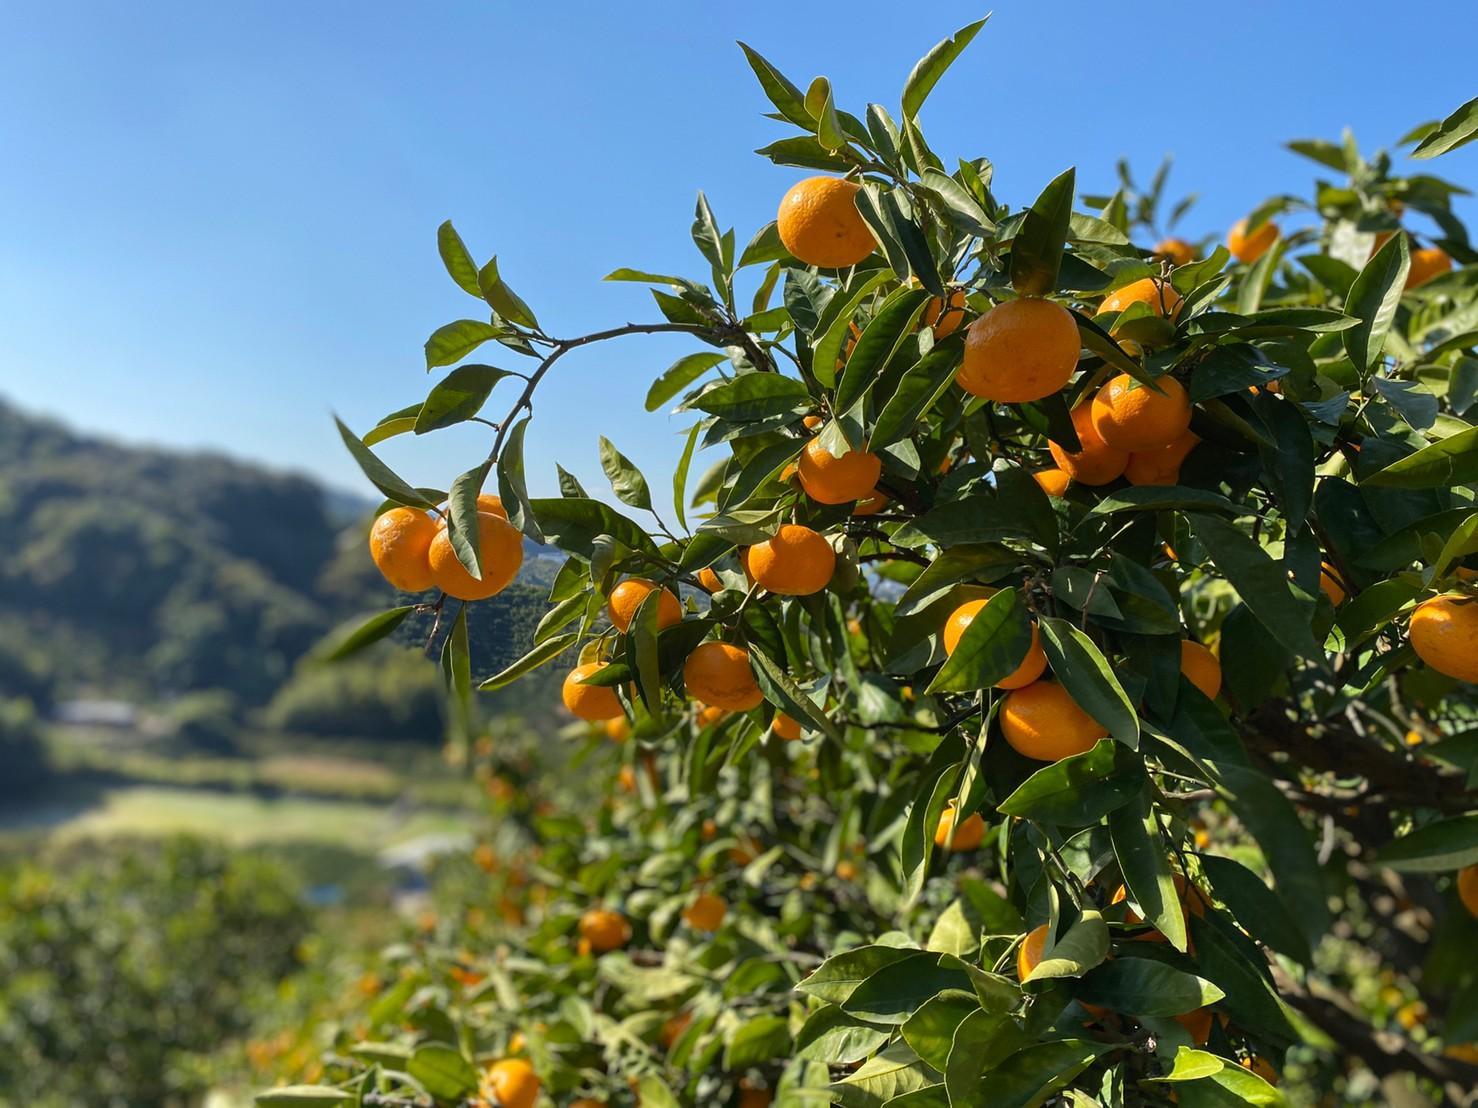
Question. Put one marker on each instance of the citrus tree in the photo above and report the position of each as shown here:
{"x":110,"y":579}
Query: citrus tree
{"x":1059,"y":690}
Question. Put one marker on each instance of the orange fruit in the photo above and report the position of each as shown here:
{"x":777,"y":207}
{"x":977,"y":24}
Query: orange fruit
{"x":1160,"y":466}
{"x":828,"y":479}
{"x":589,"y":702}
{"x":501,"y":546}
{"x":1031,"y":666}
{"x":1444,"y":634}
{"x":709,"y":579}
{"x":709,"y":716}
{"x":811,"y":422}
{"x":1097,"y":463}
{"x":673,"y":1029}
{"x":796,"y":562}
{"x":1467,"y":888}
{"x":1029,"y":953}
{"x":752,"y":1097}
{"x":1427,"y":263}
{"x":1262,"y":1067}
{"x":1131,"y":416}
{"x":493,"y":505}
{"x":847,"y":870}
{"x":630,"y":594}
{"x":785,"y":727}
{"x":1177,"y":251}
{"x":1201,"y":668}
{"x":1248,"y":248}
{"x":1198,"y":1023}
{"x":1191,"y":900}
{"x":819,"y":223}
{"x":1161,"y":298}
{"x":945,"y":320}
{"x":1043,"y":721}
{"x":511,"y":1083}
{"x":967,"y":836}
{"x":618,"y":729}
{"x":604,"y":929}
{"x":1019,"y":351}
{"x":718,"y":673}
{"x":872,"y":505}
{"x":1054,"y":481}
{"x":1331,"y":585}
{"x":706,"y":912}
{"x":400,"y":545}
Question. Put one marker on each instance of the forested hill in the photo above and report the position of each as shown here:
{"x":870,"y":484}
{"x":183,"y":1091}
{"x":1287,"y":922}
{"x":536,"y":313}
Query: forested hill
{"x":144,"y":573}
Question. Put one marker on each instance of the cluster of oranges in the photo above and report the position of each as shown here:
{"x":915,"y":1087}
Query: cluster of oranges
{"x":413,"y":550}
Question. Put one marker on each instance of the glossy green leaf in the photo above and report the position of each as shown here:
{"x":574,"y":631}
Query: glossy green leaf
{"x":1373,"y":299}
{"x":452,"y":342}
{"x":379,"y":474}
{"x":1446,"y":844}
{"x":1036,"y":251}
{"x":1089,"y":679}
{"x":1144,"y":987}
{"x":932,"y":66}
{"x":352,"y":638}
{"x":1143,"y":859}
{"x":1080,"y":789}
{"x":991,"y":649}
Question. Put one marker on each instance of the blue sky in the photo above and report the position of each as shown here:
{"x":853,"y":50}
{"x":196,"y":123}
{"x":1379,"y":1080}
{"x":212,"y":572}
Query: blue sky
{"x":219,"y":220}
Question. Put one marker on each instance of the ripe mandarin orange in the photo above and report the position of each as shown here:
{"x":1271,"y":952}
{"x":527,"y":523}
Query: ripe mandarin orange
{"x":1043,"y":721}
{"x":709,"y":715}
{"x":1444,"y":634}
{"x":1331,"y":585}
{"x":1097,"y":463}
{"x":604,"y":929}
{"x":1054,"y":481}
{"x":718,"y":674}
{"x":1019,"y":351}
{"x":487,"y":502}
{"x":796,"y":562}
{"x":1131,"y":416}
{"x":1467,"y":888}
{"x":945,"y":320}
{"x":594,"y":703}
{"x":709,"y":579}
{"x":1029,"y":953}
{"x":630,"y":594}
{"x":1177,"y":251}
{"x":1259,"y":1065}
{"x":1198,"y":1023}
{"x":1201,"y":668}
{"x":1427,"y":263}
{"x":829,"y":479}
{"x":967,"y":836}
{"x":1162,"y":465}
{"x":811,"y":422}
{"x":1032,"y":665}
{"x":706,"y":912}
{"x":1248,"y":248}
{"x":819,"y":223}
{"x":871,"y":506}
{"x":500,"y":546}
{"x":785,"y":727}
{"x":1161,"y":298}
{"x":511,"y":1083}
{"x":618,"y":729}
{"x":400,"y":545}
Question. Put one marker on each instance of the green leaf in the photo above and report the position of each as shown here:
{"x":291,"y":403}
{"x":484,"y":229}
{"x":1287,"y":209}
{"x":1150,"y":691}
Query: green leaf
{"x":1257,"y":908}
{"x":838,"y":977}
{"x":1192,"y":1065}
{"x":352,"y":638}
{"x":883,"y":1079}
{"x":454,"y":341}
{"x":756,"y":1041}
{"x":1373,"y":299}
{"x":1031,"y":1075}
{"x":308,"y":1096}
{"x":1167,"y":498}
{"x":751,"y":397}
{"x":1081,"y":789}
{"x":511,"y":488}
{"x":1445,"y":463}
{"x":784,"y":95}
{"x":680,"y":476}
{"x":888,"y":213}
{"x":501,"y":298}
{"x":932,"y":66}
{"x":457,"y":260}
{"x":931,"y":1029}
{"x":1085,"y":945}
{"x":1087,"y":676}
{"x":1144,"y":987}
{"x":396,"y":423}
{"x":893,"y":993}
{"x":626,"y":480}
{"x":380,"y":475}
{"x":828,"y":125}
{"x":1261,"y":582}
{"x":653,"y":1091}
{"x":1143,"y":860}
{"x":789,"y":697}
{"x":457,"y":397}
{"x":1036,"y":251}
{"x":991,"y":649}
{"x":442,"y":1070}
{"x":884,"y":334}
{"x":679,"y":376}
{"x":922,"y":386}
{"x":546,"y":651}
{"x":831,"y":1036}
{"x":1458,"y":129}
{"x":1249,"y":999}
{"x":981,"y":1042}
{"x":958,"y":203}
{"x":1446,"y":844}
{"x":463,"y":527}
{"x":574,"y":523}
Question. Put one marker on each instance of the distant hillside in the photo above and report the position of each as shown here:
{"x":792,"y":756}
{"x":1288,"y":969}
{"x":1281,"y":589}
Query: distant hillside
{"x":146,"y":573}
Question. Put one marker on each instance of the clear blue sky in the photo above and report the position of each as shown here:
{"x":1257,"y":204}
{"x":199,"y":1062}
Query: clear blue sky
{"x":219,"y":219}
